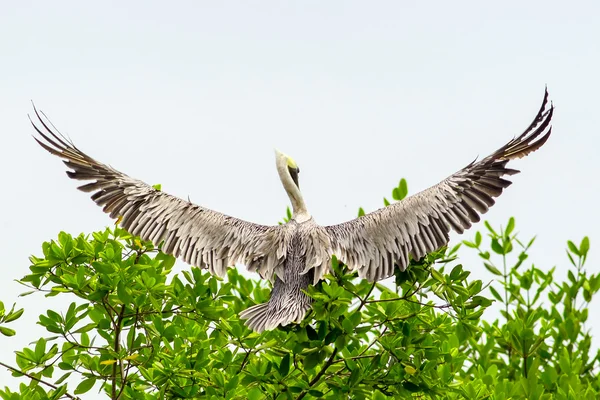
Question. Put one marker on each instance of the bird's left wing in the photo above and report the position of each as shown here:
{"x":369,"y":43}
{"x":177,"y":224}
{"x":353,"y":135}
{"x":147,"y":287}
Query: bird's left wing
{"x":375,"y":243}
{"x":200,"y":236}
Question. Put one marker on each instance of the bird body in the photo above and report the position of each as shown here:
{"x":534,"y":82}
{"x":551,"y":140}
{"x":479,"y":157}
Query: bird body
{"x":297,"y":254}
{"x":288,"y":302}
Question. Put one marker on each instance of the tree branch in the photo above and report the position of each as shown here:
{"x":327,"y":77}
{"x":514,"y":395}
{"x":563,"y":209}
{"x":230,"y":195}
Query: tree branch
{"x":117,"y":347}
{"x":328,"y":364}
{"x":13,"y":369}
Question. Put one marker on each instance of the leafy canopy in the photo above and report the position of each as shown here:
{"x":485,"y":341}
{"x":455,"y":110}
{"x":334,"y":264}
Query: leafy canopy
{"x":135,"y":330}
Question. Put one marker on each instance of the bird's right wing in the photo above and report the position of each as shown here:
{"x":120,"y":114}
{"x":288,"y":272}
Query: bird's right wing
{"x":375,"y":243}
{"x":200,"y":236}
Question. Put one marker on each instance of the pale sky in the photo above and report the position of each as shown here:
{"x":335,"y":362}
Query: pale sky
{"x":195,"y":96}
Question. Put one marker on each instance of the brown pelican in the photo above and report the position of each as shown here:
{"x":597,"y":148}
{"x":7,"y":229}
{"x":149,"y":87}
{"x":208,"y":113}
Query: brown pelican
{"x":298,"y":253}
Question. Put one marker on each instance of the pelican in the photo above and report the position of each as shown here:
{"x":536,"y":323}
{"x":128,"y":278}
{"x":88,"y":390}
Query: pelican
{"x":297,"y":254}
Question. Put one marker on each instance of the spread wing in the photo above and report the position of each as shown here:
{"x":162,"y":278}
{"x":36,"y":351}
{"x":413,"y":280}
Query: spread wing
{"x":374,"y":243}
{"x":199,"y":236}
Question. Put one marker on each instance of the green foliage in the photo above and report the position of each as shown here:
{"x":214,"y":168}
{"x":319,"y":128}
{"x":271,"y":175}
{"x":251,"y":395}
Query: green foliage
{"x":398,"y":193}
{"x":6,"y":317}
{"x":541,"y":349}
{"x":135,"y":330}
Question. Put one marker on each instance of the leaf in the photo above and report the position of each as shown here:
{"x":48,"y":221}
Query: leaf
{"x":232,"y":383}
{"x":58,"y":392}
{"x":437,"y":276}
{"x":158,"y":187}
{"x":255,"y":394}
{"x":40,"y":348}
{"x":377,"y":395}
{"x":123,"y":293}
{"x":361,"y":212}
{"x":469,"y":244}
{"x":284,"y":366}
{"x":86,"y":327}
{"x":7,"y":331}
{"x":62,"y":378}
{"x":573,"y":248}
{"x":386,"y":202}
{"x":584,"y":246}
{"x":103,"y":268}
{"x":509,"y":227}
{"x":311,"y":360}
{"x":489,"y":227}
{"x":108,"y":362}
{"x":492,"y":269}
{"x":311,"y":333}
{"x":13,"y":315}
{"x":403,"y":189}
{"x":332,"y":336}
{"x":410,"y":370}
{"x":85,"y":386}
{"x":496,"y":294}
{"x":498,"y":249}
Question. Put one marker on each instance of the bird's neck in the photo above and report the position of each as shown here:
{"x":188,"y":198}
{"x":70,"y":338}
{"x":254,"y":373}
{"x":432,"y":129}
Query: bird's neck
{"x":298,"y":205}
{"x":302,"y":216}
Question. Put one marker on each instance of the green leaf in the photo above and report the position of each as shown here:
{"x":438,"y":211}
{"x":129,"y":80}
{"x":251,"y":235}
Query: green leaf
{"x":123,"y":293}
{"x":311,"y":333}
{"x":311,"y":360}
{"x":584,"y":246}
{"x":377,"y":395}
{"x":13,"y":315}
{"x":361,"y":212}
{"x":573,"y":248}
{"x":498,"y":249}
{"x":489,"y":228}
{"x":103,"y":267}
{"x":437,"y":276}
{"x":255,"y":394}
{"x":469,"y":244}
{"x":7,"y":331}
{"x":40,"y":348}
{"x":496,"y":294}
{"x":492,"y":269}
{"x":402,"y":189}
{"x":509,"y":227}
{"x":284,"y":366}
{"x":85,"y":386}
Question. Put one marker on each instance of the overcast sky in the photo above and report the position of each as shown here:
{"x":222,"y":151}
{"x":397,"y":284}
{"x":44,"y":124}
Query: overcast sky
{"x":195,"y":96}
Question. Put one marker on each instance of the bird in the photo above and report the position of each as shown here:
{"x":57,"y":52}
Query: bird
{"x":297,"y":254}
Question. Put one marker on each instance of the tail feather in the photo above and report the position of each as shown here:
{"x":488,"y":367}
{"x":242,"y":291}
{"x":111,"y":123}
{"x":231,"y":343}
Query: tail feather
{"x":261,"y":317}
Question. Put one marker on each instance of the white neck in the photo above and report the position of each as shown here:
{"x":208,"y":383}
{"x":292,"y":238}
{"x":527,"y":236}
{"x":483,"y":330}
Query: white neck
{"x":298,"y":206}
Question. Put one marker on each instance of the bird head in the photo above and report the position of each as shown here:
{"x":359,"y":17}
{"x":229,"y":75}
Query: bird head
{"x":287,"y":166}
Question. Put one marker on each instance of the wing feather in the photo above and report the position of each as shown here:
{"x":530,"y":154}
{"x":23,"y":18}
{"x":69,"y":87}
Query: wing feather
{"x":421,"y":223}
{"x":200,"y":236}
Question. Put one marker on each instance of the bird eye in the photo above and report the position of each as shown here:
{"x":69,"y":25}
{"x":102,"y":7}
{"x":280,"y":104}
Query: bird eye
{"x":297,"y":170}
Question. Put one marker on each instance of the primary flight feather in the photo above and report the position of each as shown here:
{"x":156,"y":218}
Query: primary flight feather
{"x":298,"y":253}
